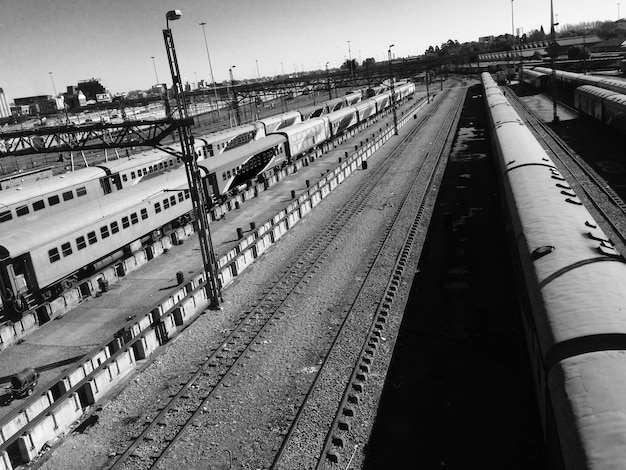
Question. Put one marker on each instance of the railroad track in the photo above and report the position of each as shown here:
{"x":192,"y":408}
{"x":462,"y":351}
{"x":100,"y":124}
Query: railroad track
{"x":338,"y":440}
{"x":587,"y":179}
{"x":167,"y":426}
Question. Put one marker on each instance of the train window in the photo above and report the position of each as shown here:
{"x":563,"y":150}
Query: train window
{"x":104,"y":232}
{"x":124,"y":178}
{"x":144,"y":214}
{"x":115,"y":227}
{"x":66,"y":248}
{"x":133,"y":218}
{"x":145,"y":172}
{"x":166,"y":203}
{"x":125,"y":222}
{"x":187,"y":194}
{"x":91,"y":238}
{"x":224,"y":176}
{"x":38,"y":205}
{"x":161,"y":166}
{"x":53,"y":200}
{"x":67,"y":195}
{"x":150,"y":169}
{"x":81,"y":243}
{"x":54,"y":255}
{"x":172,"y":200}
{"x":132,"y":175}
{"x":181,"y":197}
{"x":82,"y":191}
{"x":22,"y":210}
{"x":6,"y":215}
{"x":157,"y":207}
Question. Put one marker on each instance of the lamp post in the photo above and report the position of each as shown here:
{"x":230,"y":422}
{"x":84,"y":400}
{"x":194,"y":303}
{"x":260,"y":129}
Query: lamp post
{"x":258,"y":74}
{"x":217,"y":100}
{"x":350,"y":61}
{"x":155,"y":70}
{"x":555,"y":117}
{"x":234,"y":102}
{"x":513,"y":34}
{"x":393,"y":94}
{"x":330,"y":94}
{"x":191,"y":166}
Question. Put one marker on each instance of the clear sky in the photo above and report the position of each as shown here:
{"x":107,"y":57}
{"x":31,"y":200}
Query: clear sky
{"x":114,"y":39}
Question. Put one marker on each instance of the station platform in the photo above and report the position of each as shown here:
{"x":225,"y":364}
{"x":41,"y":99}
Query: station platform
{"x":57,"y":344}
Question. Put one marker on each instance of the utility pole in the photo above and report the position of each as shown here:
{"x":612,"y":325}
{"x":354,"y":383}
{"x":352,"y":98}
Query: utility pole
{"x":393,"y":94}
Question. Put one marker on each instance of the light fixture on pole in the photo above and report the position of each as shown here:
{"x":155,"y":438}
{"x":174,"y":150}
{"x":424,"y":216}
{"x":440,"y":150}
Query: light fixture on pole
{"x":393,"y":94}
{"x":350,"y":60}
{"x":330,"y":94}
{"x":191,"y":166}
{"x":206,"y":45}
{"x":235,"y":103}
{"x":555,"y":116}
{"x":155,"y":70}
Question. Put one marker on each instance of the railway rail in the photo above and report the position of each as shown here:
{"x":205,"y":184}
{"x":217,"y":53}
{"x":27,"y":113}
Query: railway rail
{"x":338,"y":438}
{"x":153,"y":443}
{"x":596,"y":189}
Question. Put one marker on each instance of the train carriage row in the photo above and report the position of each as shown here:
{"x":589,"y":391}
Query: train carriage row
{"x":30,"y":201}
{"x":573,"y":314}
{"x":42,"y":259}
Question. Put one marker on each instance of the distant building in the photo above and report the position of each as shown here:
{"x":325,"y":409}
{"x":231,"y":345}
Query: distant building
{"x":42,"y":104}
{"x":5,"y":111}
{"x":91,"y":88}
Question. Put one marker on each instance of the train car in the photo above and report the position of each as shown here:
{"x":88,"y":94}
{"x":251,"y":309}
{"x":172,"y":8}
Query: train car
{"x":574,"y":80}
{"x":334,"y":105}
{"x":603,"y":105}
{"x":353,"y":97}
{"x":222,"y":141}
{"x":30,"y":202}
{"x":305,"y":136}
{"x":25,"y":176}
{"x":312,"y":111}
{"x":589,"y":100}
{"x":342,"y":120}
{"x":126,"y":172}
{"x":365,"y":109}
{"x":383,"y":101}
{"x":280,"y":121}
{"x":537,"y":80}
{"x":573,"y":314}
{"x":42,"y":259}
{"x":242,"y":164}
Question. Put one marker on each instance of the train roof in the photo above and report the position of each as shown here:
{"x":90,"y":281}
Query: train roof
{"x":53,"y":184}
{"x":136,"y":160}
{"x":21,"y":238}
{"x":226,"y":133}
{"x":303,"y":126}
{"x":595,"y":91}
{"x":239,"y":155}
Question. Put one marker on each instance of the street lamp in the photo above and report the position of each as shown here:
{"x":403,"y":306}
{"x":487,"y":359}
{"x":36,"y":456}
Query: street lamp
{"x":191,"y":166}
{"x":350,"y":59}
{"x":217,"y":100}
{"x":235,"y":104}
{"x":393,"y":94}
{"x":555,"y":117}
{"x":155,"y":70}
{"x":330,"y":93}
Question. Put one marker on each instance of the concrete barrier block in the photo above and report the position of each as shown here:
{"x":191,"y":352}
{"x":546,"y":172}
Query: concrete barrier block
{"x":72,"y":298}
{"x":12,"y":426}
{"x":99,"y":358}
{"x":146,"y":345}
{"x":144,"y":322}
{"x":225,"y":276}
{"x":74,"y":377}
{"x":140,"y":258}
{"x":167,"y":304}
{"x":199,"y":299}
{"x":166,"y":243}
{"x":5,"y":463}
{"x":53,"y":425}
{"x":109,"y":275}
{"x":38,"y":405}
{"x":7,"y":336}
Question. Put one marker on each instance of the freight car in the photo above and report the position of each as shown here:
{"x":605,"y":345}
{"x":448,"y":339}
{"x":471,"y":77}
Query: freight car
{"x":572,"y":281}
{"x":573,"y":80}
{"x":603,"y":105}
